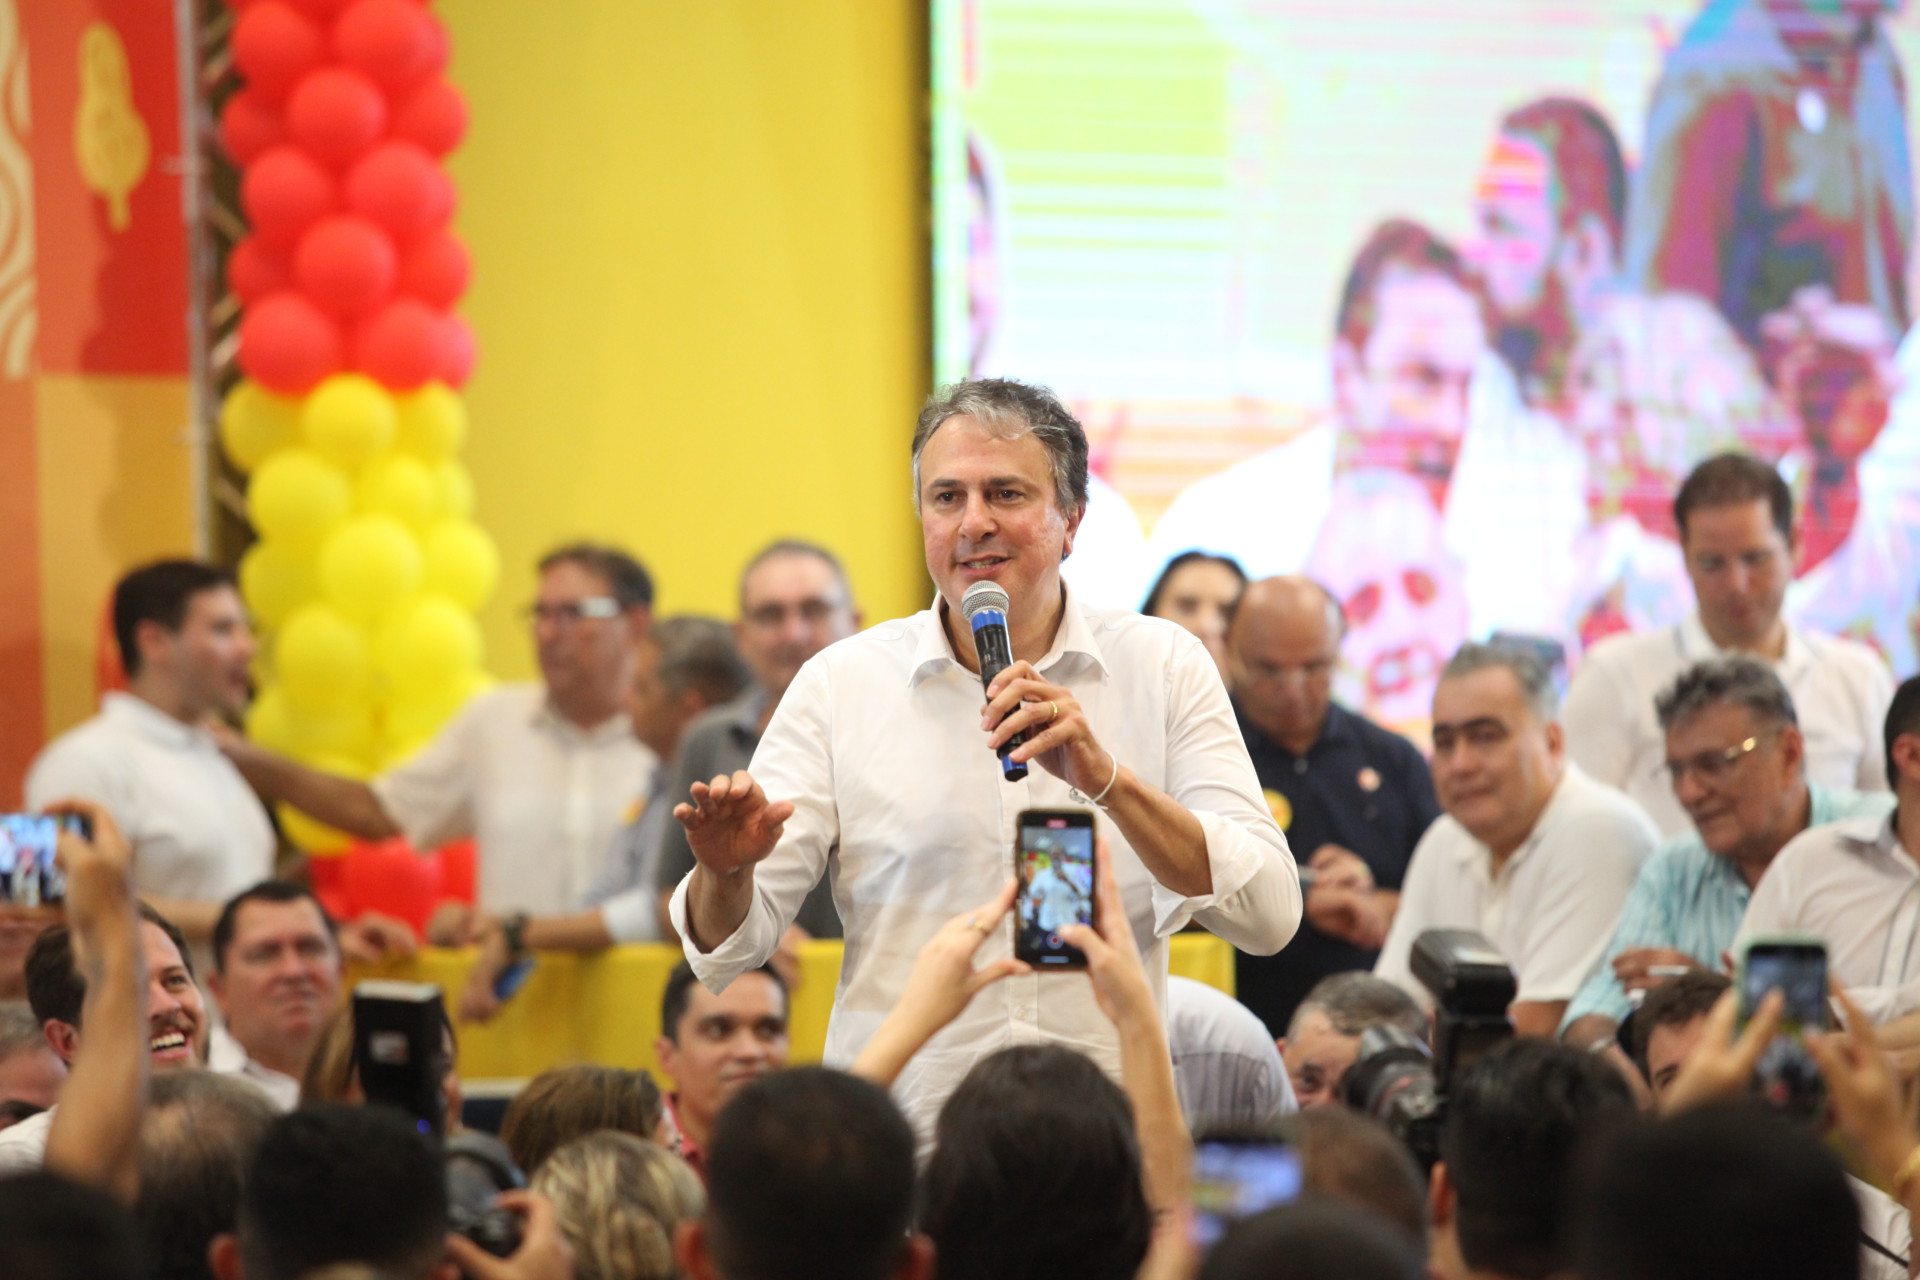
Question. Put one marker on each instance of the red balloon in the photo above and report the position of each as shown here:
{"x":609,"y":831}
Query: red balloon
{"x":248,"y":127}
{"x":400,"y":187}
{"x":254,"y":271}
{"x":328,"y":878}
{"x":459,"y":871}
{"x":346,"y":264}
{"x":283,"y":192}
{"x":287,"y":345}
{"x":396,"y":42}
{"x":336,"y":114}
{"x":389,"y":877}
{"x":434,"y":115}
{"x":274,"y":46}
{"x":436,"y":269}
{"x":402,"y":345}
{"x":318,"y":10}
{"x":457,"y":366}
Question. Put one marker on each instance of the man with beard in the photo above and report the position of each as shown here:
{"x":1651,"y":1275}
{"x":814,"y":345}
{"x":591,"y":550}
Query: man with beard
{"x":276,"y":977}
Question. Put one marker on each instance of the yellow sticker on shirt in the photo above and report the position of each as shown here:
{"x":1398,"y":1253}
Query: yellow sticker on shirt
{"x":1282,"y":808}
{"x":635,"y":807}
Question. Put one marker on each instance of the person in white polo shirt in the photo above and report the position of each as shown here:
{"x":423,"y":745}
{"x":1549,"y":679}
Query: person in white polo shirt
{"x":1531,"y":851}
{"x":198,"y":834}
{"x":541,"y":775}
{"x":1734,"y":515}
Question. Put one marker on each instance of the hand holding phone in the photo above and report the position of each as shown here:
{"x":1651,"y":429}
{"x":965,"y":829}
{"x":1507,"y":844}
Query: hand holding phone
{"x":30,"y":875}
{"x":1795,"y":965}
{"x":1235,"y":1179}
{"x":1054,"y":864}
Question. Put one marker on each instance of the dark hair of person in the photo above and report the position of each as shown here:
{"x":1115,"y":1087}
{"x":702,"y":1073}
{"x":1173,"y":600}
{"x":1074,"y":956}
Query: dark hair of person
{"x":160,"y":592}
{"x":796,"y":547}
{"x":1397,"y":243}
{"x":1010,"y":408}
{"x":1313,"y":1239}
{"x":1354,"y":1158}
{"x":1730,"y":479}
{"x":679,"y":994}
{"x":564,"y":1103}
{"x":1352,"y":1002}
{"x":1036,"y":1173}
{"x":332,"y":1183}
{"x":1903,"y":717}
{"x":627,"y":579}
{"x":699,"y":654}
{"x":55,"y":1229}
{"x":1675,"y":1003}
{"x":1517,"y":1118}
{"x":1729,"y":1190}
{"x":55,"y":988}
{"x":1589,"y":171}
{"x":1151,"y":605}
{"x":1733,"y":680}
{"x":809,"y":1177}
{"x":197,"y":1141}
{"x":275,"y":891}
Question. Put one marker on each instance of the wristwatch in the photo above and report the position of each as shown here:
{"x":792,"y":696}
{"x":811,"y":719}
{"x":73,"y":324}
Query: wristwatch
{"x":514,"y":930}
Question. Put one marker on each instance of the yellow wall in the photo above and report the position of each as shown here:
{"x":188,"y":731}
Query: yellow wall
{"x":699,"y":286}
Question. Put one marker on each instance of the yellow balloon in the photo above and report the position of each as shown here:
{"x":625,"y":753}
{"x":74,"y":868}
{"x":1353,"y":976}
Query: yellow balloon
{"x":323,"y":660}
{"x":295,"y":499}
{"x":349,"y":420}
{"x":461,"y":563}
{"x":309,"y":836}
{"x":433,"y":422}
{"x":413,"y":720}
{"x":275,"y":580}
{"x":456,"y":489}
{"x":399,"y":486}
{"x":269,"y":721}
{"x":254,"y":423}
{"x":369,"y":565}
{"x":426,"y":652}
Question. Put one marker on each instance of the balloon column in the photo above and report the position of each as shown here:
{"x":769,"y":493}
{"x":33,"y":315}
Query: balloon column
{"x":348,"y":421}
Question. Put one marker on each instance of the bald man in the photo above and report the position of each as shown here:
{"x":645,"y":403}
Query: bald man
{"x":1352,"y":797}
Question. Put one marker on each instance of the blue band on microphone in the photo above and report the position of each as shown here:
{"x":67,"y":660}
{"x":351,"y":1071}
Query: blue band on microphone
{"x":987,"y":618}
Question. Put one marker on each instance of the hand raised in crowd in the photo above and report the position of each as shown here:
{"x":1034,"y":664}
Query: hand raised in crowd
{"x":371,"y":937}
{"x":731,"y":824}
{"x":98,"y":869}
{"x":1721,"y":1068}
{"x":1059,"y":738}
{"x":1864,"y":1092}
{"x":544,"y":1253}
{"x":1640,"y":968}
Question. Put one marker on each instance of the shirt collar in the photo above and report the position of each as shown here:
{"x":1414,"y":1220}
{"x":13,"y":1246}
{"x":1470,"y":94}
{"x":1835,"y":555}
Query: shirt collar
{"x":1471,"y":852}
{"x":1074,"y":639}
{"x":613,"y":729}
{"x":744,"y":712}
{"x":136,"y":713}
{"x":1696,"y":646}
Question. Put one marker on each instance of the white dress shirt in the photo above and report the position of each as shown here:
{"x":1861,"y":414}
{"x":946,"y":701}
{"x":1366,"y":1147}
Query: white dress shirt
{"x":228,"y":1057}
{"x":23,"y":1146}
{"x":541,"y":796}
{"x":196,"y":829}
{"x":1853,"y":884}
{"x":878,"y":745}
{"x":1226,"y":1068}
{"x":1553,"y":905}
{"x":1840,"y":693}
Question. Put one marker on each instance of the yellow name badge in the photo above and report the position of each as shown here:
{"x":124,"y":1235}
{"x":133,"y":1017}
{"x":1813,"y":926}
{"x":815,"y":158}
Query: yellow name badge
{"x":1282,"y":808}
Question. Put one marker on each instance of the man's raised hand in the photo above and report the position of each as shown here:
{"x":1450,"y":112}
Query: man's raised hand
{"x":731,"y":824}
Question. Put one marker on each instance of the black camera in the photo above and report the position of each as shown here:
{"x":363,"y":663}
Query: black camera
{"x":1399,"y":1081}
{"x":479,"y":1168}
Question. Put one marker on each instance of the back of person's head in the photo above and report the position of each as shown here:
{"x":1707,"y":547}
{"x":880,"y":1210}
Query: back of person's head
{"x":1516,"y":1121}
{"x":618,"y":1199}
{"x":1352,"y":1002}
{"x":1903,"y":718}
{"x":1313,"y":1239}
{"x":809,"y":1176}
{"x":56,"y":991}
{"x":1354,"y":1158}
{"x":1734,"y":479}
{"x":699,"y":655}
{"x":1675,"y":1003}
{"x":160,"y":592}
{"x":1036,"y":1172}
{"x":53,"y":1229}
{"x":1730,"y":1192}
{"x":334,"y":1183}
{"x":565,"y":1103}
{"x":197,"y":1141}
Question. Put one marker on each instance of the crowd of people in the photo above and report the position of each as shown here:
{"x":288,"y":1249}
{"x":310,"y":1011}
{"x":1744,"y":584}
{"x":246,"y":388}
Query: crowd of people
{"x":185,"y":1091}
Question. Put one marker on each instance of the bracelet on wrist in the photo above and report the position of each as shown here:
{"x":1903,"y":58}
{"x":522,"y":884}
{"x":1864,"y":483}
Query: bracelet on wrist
{"x":513,"y":930}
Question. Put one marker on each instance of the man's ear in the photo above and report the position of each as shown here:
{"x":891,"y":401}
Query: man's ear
{"x":62,"y":1037}
{"x":917,"y":1262}
{"x":1556,"y":740}
{"x":667,"y":1054}
{"x":216,"y":985}
{"x":1440,"y":1197}
{"x":223,"y":1257}
{"x":690,"y":1250}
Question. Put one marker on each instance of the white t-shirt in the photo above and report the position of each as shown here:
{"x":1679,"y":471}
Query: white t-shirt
{"x":229,"y":1057}
{"x":23,"y":1147}
{"x":1840,"y":693}
{"x":1554,"y":904}
{"x":197,"y":830}
{"x":541,"y":796}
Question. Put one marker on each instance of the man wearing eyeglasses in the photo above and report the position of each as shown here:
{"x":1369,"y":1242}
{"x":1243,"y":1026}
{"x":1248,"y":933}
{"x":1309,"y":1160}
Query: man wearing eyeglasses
{"x":1352,"y":796}
{"x":1736,"y":762}
{"x":540,"y":775}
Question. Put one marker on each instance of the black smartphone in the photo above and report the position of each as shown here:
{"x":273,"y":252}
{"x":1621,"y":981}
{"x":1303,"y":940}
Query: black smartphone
{"x":1233,"y":1179}
{"x":29,"y":876}
{"x":1054,"y":863}
{"x":400,"y":1048}
{"x":1795,"y":964}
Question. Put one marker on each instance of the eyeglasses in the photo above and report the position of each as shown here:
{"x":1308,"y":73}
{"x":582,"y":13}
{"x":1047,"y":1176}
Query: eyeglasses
{"x":1709,"y":766}
{"x":1277,"y":673}
{"x":813,"y":612}
{"x":566,"y":613}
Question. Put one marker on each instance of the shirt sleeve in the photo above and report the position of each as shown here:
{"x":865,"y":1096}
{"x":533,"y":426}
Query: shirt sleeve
{"x":633,"y":915}
{"x":1255,"y":902}
{"x":793,"y":762}
{"x":1598,"y":718}
{"x":67,"y":770}
{"x":1415,"y":917}
{"x":1645,"y":921}
{"x":1579,"y":904}
{"x":430,"y":797}
{"x":1876,"y":694}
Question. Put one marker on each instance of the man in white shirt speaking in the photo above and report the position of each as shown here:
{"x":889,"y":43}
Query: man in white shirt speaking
{"x":879,"y":766}
{"x":1531,"y":852}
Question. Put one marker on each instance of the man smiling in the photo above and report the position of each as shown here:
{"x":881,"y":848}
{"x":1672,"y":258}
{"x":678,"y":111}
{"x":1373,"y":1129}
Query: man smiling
{"x":879,"y":766}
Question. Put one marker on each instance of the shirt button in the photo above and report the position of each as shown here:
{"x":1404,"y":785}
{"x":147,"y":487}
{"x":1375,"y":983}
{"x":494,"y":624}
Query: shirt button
{"x":1300,"y":765}
{"x":1023,"y":1012}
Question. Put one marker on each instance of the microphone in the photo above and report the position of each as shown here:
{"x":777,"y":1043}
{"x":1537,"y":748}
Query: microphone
{"x":985,"y":605}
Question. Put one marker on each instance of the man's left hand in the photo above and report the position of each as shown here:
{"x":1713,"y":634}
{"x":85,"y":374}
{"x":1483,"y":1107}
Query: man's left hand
{"x":371,"y":937}
{"x":1059,"y":738}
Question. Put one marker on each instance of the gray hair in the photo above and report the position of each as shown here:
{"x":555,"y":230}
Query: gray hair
{"x":1734,"y":681}
{"x":1011,"y":409}
{"x":698,"y":653}
{"x":1531,"y":674}
{"x":797,"y":547}
{"x":1352,"y":1002}
{"x":19,"y":1029}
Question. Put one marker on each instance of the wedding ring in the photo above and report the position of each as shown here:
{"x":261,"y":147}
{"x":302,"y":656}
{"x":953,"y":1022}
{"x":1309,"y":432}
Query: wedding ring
{"x":973,"y":922}
{"x":1053,"y":711}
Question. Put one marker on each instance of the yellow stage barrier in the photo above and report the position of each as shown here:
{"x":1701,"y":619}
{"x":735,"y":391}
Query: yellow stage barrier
{"x":605,"y":1007}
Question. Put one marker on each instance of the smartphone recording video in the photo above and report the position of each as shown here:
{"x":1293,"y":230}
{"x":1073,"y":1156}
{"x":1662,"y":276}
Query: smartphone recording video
{"x":1054,"y":863}
{"x":1233,"y":1180}
{"x":1796,"y":966}
{"x":29,"y":876}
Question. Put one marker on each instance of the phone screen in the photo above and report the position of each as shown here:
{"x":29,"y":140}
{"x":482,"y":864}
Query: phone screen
{"x":1232,"y":1180}
{"x":1788,"y":1075}
{"x":28,"y":843}
{"x":1055,"y":867}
